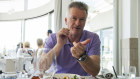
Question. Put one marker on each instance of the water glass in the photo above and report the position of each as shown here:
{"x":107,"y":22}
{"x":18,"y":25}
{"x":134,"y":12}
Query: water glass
{"x":125,"y":71}
{"x":132,"y":72}
{"x":19,"y":66}
{"x":49,"y":64}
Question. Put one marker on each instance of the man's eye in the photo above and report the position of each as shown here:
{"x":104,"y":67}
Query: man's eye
{"x":82,"y":19}
{"x":74,"y":18}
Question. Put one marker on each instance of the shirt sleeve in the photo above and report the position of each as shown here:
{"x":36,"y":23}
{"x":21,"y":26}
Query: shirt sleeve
{"x":50,"y":42}
{"x":94,"y":45}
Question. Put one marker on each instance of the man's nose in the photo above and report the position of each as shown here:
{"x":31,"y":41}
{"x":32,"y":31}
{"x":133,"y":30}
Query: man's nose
{"x":77,"y":22}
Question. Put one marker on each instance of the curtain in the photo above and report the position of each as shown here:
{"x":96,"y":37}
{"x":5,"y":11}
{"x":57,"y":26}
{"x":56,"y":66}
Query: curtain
{"x":58,"y":15}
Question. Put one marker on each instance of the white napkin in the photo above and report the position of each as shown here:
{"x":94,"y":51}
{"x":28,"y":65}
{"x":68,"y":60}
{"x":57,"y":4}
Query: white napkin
{"x":106,"y":74}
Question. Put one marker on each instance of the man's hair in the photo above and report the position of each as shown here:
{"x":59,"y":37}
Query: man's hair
{"x":49,"y":31}
{"x":79,"y":5}
{"x":39,"y":42}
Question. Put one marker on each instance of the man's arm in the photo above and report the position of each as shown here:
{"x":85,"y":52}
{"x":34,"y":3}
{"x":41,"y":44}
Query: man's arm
{"x":91,"y":64}
{"x":47,"y":58}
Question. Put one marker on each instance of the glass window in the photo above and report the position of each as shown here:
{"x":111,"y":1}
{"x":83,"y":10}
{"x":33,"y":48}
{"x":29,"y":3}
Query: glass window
{"x":36,"y":28}
{"x":106,"y":37}
{"x":100,"y":16}
{"x":10,"y":34}
{"x":97,"y":10}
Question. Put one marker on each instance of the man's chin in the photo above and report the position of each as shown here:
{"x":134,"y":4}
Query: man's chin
{"x":75,"y":33}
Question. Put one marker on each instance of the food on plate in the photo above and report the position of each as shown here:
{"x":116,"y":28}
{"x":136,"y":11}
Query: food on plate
{"x":75,"y":77}
{"x":66,"y":78}
{"x":35,"y":77}
{"x":83,"y":78}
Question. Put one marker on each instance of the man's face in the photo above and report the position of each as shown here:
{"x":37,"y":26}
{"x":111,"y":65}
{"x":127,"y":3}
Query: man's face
{"x":76,"y":21}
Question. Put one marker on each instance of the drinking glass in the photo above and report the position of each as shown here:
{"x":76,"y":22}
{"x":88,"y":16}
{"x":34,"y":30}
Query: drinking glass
{"x":36,"y":72}
{"x":132,"y":72}
{"x":48,"y":68}
{"x":50,"y":72}
{"x":19,"y":66}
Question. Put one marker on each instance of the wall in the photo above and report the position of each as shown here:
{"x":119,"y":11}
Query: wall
{"x":129,"y":30}
{"x":130,"y":54}
{"x":139,"y":32}
{"x":125,"y":18}
{"x":134,"y":18}
{"x":129,"y":19}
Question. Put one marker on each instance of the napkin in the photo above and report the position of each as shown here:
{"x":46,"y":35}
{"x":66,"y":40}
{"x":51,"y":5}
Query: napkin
{"x":106,"y":74}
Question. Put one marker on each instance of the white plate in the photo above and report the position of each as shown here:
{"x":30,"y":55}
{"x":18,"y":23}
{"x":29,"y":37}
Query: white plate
{"x":62,"y":75}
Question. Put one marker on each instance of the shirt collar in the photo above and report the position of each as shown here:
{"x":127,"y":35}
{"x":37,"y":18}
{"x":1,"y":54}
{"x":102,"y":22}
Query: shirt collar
{"x":81,"y":39}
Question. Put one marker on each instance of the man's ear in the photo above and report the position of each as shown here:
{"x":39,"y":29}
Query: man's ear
{"x":66,"y":20}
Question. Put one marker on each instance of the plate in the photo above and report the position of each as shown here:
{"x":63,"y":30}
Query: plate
{"x":62,"y":75}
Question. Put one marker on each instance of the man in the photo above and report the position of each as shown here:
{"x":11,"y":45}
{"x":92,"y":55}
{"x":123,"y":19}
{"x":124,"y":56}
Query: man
{"x":49,"y":33}
{"x":19,"y":45}
{"x":77,"y":50}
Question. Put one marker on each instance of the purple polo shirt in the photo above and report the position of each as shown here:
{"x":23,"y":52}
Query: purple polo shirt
{"x":66,"y":63}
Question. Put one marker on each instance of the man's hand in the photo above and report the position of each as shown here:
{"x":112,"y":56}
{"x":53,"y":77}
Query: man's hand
{"x":62,"y":36}
{"x":79,"y":48}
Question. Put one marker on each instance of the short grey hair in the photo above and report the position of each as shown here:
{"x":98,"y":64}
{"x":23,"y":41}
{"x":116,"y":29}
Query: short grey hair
{"x":79,"y":5}
{"x":39,"y":42}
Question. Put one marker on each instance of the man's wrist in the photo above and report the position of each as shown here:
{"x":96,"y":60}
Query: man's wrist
{"x":83,"y":57}
{"x":59,"y":45}
{"x":57,"y":48}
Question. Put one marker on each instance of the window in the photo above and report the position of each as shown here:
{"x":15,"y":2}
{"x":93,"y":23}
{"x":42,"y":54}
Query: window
{"x":10,"y":34}
{"x":100,"y":17}
{"x":36,"y":28}
{"x":106,"y":37}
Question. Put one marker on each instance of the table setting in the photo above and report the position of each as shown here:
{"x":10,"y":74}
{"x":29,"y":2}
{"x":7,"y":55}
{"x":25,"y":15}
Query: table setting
{"x":13,"y":69}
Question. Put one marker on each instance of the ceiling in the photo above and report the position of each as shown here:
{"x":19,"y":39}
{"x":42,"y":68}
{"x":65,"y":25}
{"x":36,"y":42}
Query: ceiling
{"x":9,"y":6}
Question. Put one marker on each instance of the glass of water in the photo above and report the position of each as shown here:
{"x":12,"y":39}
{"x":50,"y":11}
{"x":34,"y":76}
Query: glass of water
{"x":44,"y":68}
{"x":132,"y":72}
{"x":51,"y":64}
